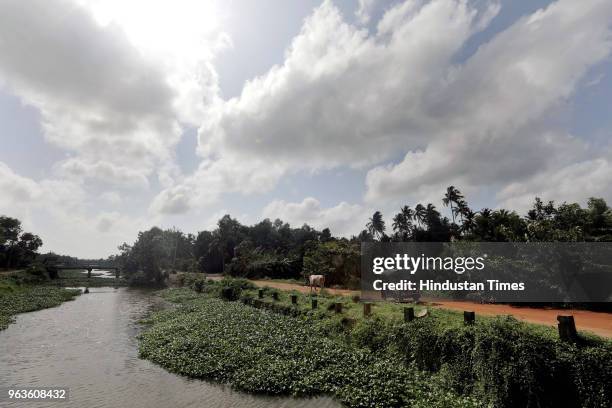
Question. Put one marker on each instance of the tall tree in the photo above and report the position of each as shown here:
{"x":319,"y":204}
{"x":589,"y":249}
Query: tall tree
{"x":419,"y":214}
{"x":451,"y":198}
{"x":376,"y":225}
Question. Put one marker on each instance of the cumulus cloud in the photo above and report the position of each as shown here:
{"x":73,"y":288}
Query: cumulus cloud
{"x":344,"y":97}
{"x":341,"y":97}
{"x":574,"y":182}
{"x":343,"y":219}
{"x":492,"y":110}
{"x":101,"y":95}
{"x":16,"y":188}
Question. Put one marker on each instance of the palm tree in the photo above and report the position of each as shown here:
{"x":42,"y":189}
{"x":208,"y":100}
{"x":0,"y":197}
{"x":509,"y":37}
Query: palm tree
{"x":419,"y":214}
{"x":398,"y":222}
{"x":402,"y":223}
{"x":407,"y":213}
{"x":376,"y":225}
{"x":452,"y":196}
{"x":468,"y":221}
{"x":432,"y":216}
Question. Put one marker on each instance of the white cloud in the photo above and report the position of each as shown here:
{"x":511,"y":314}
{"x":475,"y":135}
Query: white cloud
{"x":111,"y":197}
{"x":340,"y":98}
{"x":343,"y":219}
{"x":575,"y":182}
{"x":491,"y":112}
{"x":364,"y":9}
{"x":15,"y":188}
{"x":108,"y":90}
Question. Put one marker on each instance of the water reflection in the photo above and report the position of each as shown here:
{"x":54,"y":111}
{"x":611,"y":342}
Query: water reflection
{"x":89,"y":345}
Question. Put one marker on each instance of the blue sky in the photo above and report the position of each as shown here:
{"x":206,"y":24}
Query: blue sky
{"x":119,"y":115}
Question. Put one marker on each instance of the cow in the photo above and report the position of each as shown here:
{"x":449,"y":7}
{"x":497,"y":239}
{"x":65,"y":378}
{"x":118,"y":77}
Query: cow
{"x":316,"y":280}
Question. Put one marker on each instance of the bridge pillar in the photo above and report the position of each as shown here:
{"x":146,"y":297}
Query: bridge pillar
{"x":88,"y":273}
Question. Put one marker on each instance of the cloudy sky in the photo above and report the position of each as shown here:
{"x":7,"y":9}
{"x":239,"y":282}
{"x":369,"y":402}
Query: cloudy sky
{"x":116,"y":115}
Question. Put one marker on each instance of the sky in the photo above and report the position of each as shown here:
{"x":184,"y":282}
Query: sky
{"x":118,"y":115}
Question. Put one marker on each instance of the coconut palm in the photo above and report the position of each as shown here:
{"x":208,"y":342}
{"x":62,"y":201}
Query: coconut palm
{"x":432,"y":215}
{"x":452,"y":196}
{"x":419,"y":214}
{"x":376,"y":225}
{"x":402,"y":222}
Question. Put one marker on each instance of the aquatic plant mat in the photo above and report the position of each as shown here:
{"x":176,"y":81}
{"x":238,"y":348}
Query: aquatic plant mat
{"x":374,"y":362}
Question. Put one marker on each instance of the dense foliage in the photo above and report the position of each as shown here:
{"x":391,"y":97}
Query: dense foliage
{"x":274,"y":249}
{"x":499,"y":362}
{"x":17,"y":248}
{"x":269,"y":353}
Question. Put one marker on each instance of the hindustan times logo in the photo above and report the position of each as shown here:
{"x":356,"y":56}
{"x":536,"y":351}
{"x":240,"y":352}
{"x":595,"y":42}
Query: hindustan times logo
{"x":412,"y":264}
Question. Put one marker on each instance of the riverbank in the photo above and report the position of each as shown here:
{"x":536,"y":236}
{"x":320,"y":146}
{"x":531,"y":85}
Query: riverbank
{"x":20,"y":293}
{"x":270,"y":345}
{"x":599,"y":323}
{"x":24,"y":291}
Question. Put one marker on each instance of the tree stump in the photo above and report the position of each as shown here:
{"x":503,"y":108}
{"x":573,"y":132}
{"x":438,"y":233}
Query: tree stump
{"x":294,"y":299}
{"x":408,"y":314}
{"x":367,"y":309}
{"x":567,"y":328}
{"x":260,"y":293}
{"x":469,"y":317}
{"x":314,"y":303}
{"x":275,"y":295}
{"x":338,"y":307}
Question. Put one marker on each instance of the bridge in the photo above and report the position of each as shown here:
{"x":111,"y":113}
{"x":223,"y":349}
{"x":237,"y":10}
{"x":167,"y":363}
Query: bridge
{"x":53,"y":268}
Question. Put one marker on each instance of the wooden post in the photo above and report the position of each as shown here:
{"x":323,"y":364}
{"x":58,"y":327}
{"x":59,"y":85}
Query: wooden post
{"x":86,"y":290}
{"x":567,"y":328}
{"x":260,"y":293}
{"x":294,"y":299}
{"x":408,"y":314}
{"x":469,"y":317}
{"x":314,"y":303}
{"x":275,"y":295}
{"x":338,"y":307}
{"x":367,"y":309}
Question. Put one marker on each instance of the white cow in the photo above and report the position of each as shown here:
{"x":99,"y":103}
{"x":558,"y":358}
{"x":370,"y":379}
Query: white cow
{"x":316,"y":280}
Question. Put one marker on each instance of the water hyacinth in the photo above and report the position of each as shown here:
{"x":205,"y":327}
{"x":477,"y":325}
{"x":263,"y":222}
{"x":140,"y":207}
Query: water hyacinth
{"x":262,"y":352}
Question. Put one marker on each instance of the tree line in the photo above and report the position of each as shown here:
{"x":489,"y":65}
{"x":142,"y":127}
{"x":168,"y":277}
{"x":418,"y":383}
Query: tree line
{"x":544,"y":222}
{"x":277,"y":250}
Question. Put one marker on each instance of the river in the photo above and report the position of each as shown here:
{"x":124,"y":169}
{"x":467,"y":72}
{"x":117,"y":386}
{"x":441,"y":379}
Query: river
{"x":89,"y":345}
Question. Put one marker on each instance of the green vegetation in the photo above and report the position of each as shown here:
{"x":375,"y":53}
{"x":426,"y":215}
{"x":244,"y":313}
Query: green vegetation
{"x":17,"y":248}
{"x":269,"y":353}
{"x":280,"y":348}
{"x":275,"y":250}
{"x":23,"y":292}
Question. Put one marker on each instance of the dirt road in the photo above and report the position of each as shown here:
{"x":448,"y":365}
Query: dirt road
{"x":594,"y":322}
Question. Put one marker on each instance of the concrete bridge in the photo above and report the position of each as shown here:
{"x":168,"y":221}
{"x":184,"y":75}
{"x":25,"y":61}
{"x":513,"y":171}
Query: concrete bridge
{"x":54,"y":268}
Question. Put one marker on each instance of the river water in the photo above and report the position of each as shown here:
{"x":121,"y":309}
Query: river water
{"x":89,"y":345}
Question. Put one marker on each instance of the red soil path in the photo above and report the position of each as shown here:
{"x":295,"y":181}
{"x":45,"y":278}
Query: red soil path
{"x":595,"y":322}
